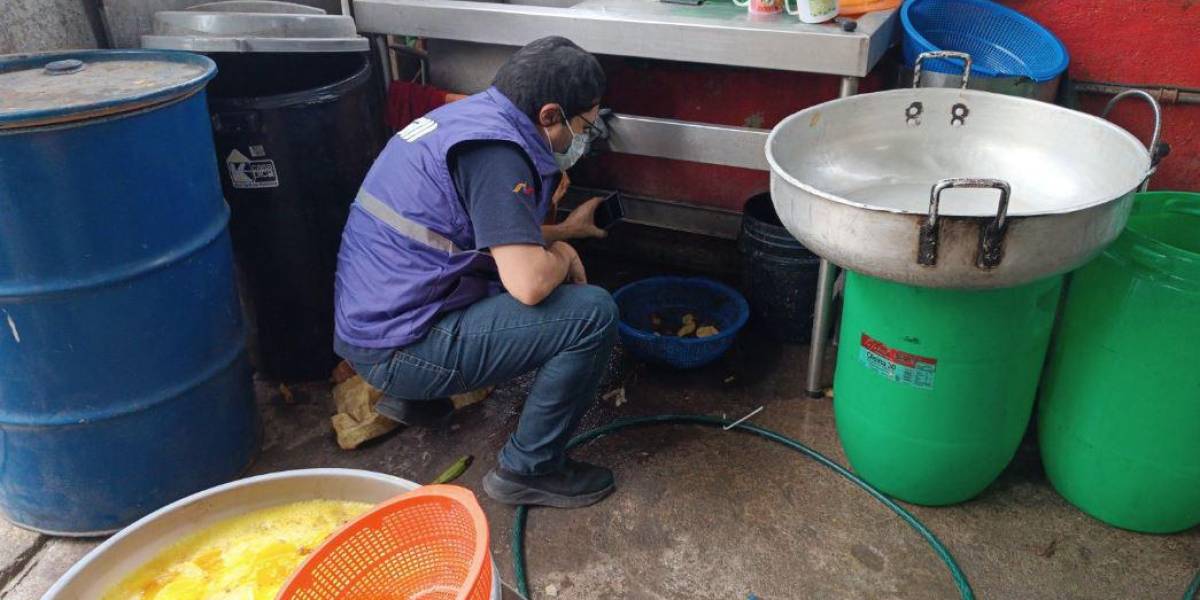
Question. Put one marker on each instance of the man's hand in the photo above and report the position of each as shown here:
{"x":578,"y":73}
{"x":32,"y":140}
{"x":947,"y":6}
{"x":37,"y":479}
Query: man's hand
{"x":575,"y":270}
{"x":581,"y":223}
{"x":560,"y":192}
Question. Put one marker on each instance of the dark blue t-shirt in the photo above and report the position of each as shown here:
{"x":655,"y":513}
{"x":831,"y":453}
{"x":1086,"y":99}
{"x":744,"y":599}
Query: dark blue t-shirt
{"x":494,"y":181}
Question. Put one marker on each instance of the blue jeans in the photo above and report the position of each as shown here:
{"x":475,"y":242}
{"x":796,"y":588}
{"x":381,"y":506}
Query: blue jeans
{"x":568,"y":338}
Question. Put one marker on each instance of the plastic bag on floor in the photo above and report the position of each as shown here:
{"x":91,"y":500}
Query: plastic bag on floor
{"x":356,"y":420}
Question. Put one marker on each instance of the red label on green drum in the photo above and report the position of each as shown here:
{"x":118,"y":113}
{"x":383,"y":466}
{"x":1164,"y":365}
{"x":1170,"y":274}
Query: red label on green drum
{"x":897,"y":365}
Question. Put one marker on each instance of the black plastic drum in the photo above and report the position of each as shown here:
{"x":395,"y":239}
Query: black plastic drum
{"x":295,"y":135}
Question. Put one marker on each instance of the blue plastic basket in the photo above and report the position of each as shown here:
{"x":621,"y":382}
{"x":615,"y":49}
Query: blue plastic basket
{"x":671,"y":298}
{"x":1001,"y":41}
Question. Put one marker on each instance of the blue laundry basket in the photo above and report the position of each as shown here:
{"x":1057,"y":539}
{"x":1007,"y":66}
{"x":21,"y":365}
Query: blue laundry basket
{"x":1002,"y":42}
{"x":670,"y":298}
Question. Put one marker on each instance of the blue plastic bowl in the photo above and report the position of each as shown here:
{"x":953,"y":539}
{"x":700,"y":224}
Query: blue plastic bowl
{"x":1001,"y":41}
{"x":670,"y":298}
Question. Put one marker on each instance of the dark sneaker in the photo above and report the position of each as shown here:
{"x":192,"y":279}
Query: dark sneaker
{"x":434,"y":413}
{"x":574,"y":485}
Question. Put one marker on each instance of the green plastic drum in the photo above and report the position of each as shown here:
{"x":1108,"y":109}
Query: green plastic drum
{"x":935,"y":387}
{"x":1119,"y":420}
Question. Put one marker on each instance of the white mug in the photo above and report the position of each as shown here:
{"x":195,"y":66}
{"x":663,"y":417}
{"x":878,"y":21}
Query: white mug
{"x":813,"y":11}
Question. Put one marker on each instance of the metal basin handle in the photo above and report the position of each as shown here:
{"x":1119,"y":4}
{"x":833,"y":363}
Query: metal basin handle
{"x":1155,"y":154}
{"x":963,"y":56}
{"x":991,"y":236}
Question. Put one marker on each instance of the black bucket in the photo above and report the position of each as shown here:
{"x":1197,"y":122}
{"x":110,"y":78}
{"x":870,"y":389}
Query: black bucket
{"x":779,"y":275}
{"x":295,"y":135}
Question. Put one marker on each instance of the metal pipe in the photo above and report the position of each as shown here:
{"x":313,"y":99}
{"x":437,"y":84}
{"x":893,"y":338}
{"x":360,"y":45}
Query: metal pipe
{"x":823,"y":307}
{"x":385,"y":65}
{"x":849,"y":87}
{"x":98,"y":21}
{"x":421,"y":55}
{"x":1165,"y":95}
{"x":393,"y":61}
{"x":405,"y":49}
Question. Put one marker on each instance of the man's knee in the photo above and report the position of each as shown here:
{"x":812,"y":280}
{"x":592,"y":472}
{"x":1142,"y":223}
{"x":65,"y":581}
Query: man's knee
{"x":601,"y":304}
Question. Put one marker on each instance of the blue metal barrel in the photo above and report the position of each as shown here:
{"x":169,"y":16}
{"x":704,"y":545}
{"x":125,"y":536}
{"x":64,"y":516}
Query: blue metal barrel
{"x":124,"y":382}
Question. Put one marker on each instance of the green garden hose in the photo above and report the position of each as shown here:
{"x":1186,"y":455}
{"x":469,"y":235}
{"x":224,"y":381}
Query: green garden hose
{"x":1193,"y":591}
{"x":960,"y":578}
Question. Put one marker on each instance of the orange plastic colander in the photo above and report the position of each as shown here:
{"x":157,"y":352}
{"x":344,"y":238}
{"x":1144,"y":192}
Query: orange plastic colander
{"x":429,"y":544}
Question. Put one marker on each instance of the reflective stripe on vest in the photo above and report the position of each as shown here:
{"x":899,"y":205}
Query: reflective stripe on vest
{"x":403,"y":225}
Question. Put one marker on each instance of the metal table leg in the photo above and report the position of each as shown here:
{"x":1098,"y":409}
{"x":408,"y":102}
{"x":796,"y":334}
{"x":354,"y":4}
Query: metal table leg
{"x":822,"y":313}
{"x":823,"y":309}
{"x":849,"y":87}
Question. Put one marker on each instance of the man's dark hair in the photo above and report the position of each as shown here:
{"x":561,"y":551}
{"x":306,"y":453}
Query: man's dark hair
{"x":552,"y":70}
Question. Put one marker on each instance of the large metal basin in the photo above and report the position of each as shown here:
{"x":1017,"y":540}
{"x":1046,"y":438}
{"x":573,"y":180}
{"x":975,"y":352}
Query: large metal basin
{"x":112,"y":561}
{"x":852,"y":179}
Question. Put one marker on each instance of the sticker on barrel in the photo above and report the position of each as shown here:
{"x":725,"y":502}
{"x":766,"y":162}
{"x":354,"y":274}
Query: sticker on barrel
{"x":897,"y":365}
{"x":246,"y":173}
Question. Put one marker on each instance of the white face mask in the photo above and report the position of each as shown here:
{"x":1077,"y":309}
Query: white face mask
{"x":579,"y":146}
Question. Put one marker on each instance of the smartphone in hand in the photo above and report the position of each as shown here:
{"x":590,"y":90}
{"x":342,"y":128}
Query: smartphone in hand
{"x":611,"y":211}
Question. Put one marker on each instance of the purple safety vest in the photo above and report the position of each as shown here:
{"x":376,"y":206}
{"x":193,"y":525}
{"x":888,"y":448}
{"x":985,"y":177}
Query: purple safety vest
{"x":408,"y":250}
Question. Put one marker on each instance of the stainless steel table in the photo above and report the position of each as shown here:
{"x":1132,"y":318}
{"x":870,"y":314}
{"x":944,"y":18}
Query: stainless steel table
{"x":717,"y":33}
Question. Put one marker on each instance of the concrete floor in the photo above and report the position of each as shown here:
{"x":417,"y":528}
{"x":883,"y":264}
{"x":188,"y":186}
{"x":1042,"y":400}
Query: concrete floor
{"x":700,"y":513}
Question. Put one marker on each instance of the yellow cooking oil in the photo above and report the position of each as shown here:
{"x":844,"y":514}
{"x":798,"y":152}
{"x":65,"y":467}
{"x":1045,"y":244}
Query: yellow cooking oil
{"x":248,"y":557}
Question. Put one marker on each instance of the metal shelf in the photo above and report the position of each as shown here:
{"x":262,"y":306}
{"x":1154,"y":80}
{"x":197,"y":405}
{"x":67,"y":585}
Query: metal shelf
{"x":690,"y":141}
{"x":713,"y":33}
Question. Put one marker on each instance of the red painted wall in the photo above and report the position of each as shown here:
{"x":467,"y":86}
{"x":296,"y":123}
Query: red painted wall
{"x":1126,"y":41}
{"x":1141,"y":42}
